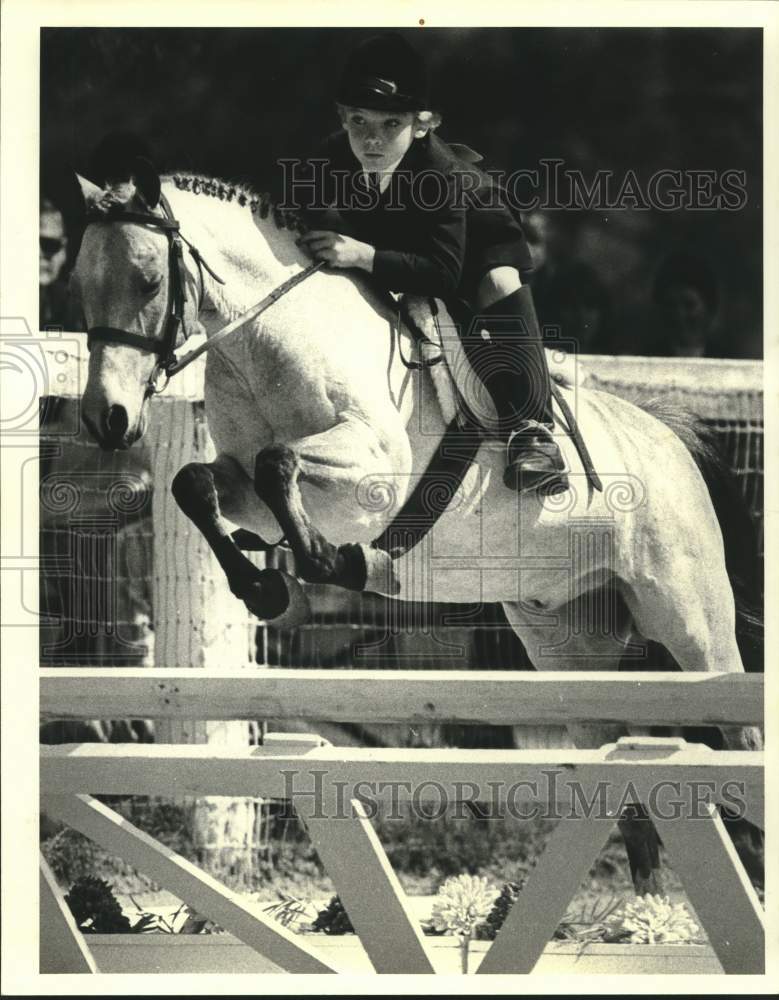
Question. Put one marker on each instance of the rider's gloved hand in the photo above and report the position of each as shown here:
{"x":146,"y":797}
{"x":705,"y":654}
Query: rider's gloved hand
{"x":338,"y":250}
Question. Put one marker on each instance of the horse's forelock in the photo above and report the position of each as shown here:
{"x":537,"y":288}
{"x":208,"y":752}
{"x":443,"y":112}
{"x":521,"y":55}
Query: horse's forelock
{"x":119,"y":194}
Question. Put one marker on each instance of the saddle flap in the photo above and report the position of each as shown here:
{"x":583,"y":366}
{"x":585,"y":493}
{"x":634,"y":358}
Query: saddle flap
{"x":458,"y":387}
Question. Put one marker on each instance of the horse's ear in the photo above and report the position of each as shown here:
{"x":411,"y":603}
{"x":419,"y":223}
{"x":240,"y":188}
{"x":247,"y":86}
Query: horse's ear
{"x":147,"y":180}
{"x":91,"y":193}
{"x":124,"y":156}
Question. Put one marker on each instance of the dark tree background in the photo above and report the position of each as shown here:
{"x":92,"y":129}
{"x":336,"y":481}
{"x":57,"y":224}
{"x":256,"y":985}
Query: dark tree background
{"x":229,"y":102}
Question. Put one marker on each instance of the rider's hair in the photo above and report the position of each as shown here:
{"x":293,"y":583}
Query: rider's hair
{"x":426,"y":119}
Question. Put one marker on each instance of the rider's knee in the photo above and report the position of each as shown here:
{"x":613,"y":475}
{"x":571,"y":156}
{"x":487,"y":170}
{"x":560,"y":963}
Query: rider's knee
{"x":496,"y":284}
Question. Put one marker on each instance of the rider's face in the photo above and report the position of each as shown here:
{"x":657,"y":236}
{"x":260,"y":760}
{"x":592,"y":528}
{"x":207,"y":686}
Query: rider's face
{"x":378,"y":138}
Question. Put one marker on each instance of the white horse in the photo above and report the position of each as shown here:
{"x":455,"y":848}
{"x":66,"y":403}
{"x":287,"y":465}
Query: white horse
{"x":322,"y":431}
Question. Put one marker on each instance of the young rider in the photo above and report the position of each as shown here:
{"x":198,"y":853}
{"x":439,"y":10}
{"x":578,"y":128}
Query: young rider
{"x":394,"y":200}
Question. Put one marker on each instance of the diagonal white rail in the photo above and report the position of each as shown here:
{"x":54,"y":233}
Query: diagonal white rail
{"x":195,"y":887}
{"x":322,"y":779}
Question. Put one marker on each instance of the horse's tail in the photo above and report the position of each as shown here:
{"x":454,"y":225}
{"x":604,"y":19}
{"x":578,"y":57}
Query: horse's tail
{"x":744,"y":565}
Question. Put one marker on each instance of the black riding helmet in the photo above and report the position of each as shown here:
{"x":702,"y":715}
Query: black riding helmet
{"x":384,"y":73}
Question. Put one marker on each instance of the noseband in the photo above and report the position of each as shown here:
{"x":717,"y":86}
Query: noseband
{"x":165,"y":346}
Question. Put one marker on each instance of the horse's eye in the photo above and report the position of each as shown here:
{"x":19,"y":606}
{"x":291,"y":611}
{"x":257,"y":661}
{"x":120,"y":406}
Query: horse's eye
{"x":149,"y":286}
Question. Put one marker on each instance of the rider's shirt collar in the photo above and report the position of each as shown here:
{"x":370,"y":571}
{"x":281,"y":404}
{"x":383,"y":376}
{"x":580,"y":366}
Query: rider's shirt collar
{"x":385,"y":176}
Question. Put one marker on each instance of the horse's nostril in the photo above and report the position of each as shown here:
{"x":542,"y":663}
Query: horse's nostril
{"x":116,"y":421}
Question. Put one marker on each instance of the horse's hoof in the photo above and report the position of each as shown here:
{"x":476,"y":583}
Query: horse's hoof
{"x":298,"y":610}
{"x":380,"y":575}
{"x":277,"y":598}
{"x":248,"y":541}
{"x":649,"y":884}
{"x":273,"y":595}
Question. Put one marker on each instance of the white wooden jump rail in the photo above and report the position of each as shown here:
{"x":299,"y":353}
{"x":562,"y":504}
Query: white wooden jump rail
{"x":699,"y":848}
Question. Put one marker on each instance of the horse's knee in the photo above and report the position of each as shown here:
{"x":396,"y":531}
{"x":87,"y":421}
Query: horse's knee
{"x":194,"y":490}
{"x":275,"y":465}
{"x":496,"y":284}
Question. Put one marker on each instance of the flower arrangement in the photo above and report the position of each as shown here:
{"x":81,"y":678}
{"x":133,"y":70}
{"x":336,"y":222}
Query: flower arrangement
{"x":462,"y":904}
{"x":652,"y":920}
{"x":640,"y":920}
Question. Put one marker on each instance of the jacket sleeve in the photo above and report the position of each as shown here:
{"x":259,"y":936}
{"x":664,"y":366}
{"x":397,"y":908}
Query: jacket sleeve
{"x":434,"y":265}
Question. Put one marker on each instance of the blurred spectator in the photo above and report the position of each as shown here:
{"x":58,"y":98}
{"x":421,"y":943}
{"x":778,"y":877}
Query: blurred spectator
{"x":583,"y":307}
{"x":687,"y":297}
{"x":53,"y":246}
{"x":55,"y":305}
{"x":539,"y":232}
{"x":543,"y":237}
{"x":568,"y":294}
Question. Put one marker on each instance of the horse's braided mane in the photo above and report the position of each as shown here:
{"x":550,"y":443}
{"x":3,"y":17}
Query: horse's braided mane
{"x":259,"y":204}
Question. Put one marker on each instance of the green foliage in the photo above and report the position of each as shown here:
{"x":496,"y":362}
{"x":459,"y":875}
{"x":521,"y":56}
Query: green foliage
{"x":590,"y":920}
{"x":333,"y":919}
{"x":95,"y":908}
{"x":289,"y":910}
{"x":167,"y":821}
{"x":70,"y":855}
{"x":500,"y":909}
{"x":453,"y":844}
{"x":423,"y":851}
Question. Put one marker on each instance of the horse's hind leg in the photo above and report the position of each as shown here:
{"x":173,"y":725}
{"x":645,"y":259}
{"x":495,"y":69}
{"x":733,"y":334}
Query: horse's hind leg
{"x":207,"y":491}
{"x":642,"y":843}
{"x":693,"y":615}
{"x":555,"y":647}
{"x":690,"y":610}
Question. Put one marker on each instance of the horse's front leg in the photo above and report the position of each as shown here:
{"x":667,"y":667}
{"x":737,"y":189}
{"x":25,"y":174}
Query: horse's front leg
{"x":203,"y":491}
{"x":338,"y":463}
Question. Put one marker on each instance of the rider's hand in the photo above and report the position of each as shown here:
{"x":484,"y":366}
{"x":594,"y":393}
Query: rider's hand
{"x":338,"y":250}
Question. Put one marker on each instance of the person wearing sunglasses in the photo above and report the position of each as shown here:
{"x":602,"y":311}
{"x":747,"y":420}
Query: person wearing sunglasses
{"x":55,"y":307}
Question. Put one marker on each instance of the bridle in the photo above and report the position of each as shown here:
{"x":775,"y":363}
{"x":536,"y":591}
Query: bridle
{"x":165,"y":346}
{"x":168,"y":364}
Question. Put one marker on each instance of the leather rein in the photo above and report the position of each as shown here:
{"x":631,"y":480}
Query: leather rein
{"x":168,"y":363}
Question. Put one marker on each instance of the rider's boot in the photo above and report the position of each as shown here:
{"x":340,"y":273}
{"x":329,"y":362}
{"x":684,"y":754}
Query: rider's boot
{"x":519,"y":383}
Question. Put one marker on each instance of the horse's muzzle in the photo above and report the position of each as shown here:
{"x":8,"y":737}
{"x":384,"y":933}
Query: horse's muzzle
{"x":113,"y":432}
